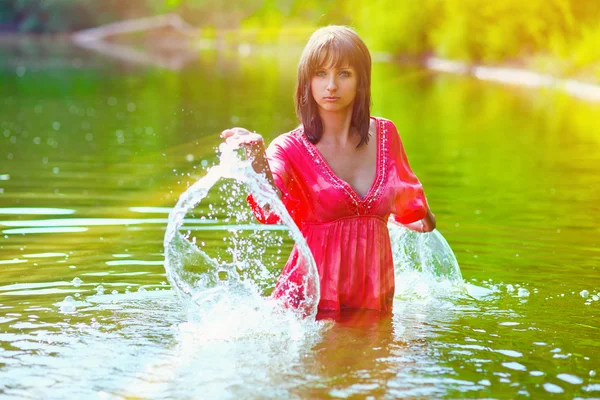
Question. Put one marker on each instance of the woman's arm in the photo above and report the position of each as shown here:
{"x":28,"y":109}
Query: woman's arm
{"x":427,"y":224}
{"x":254,"y":146}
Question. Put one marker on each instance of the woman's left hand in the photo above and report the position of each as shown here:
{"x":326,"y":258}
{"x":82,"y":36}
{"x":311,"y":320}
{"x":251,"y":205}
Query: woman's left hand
{"x":427,"y":224}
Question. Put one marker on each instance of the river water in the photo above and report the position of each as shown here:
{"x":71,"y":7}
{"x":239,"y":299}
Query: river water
{"x":94,"y":154}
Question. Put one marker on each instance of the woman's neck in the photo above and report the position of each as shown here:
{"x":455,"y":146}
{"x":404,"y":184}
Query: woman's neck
{"x":337,"y":128}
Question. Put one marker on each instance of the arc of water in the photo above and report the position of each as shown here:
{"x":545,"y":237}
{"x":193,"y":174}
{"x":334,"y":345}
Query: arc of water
{"x":231,"y":167}
{"x":424,"y":264}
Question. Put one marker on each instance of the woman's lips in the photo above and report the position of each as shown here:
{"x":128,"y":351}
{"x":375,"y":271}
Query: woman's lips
{"x":331,"y":98}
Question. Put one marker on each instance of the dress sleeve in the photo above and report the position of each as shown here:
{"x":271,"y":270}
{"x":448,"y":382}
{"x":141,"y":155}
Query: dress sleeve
{"x":283,"y":176}
{"x":410,"y":204}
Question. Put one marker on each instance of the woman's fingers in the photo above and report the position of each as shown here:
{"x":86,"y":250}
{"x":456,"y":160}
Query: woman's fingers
{"x":241,"y":137}
{"x":242,"y":141}
{"x":236,"y":131}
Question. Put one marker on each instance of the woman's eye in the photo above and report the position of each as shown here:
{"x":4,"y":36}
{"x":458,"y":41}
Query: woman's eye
{"x":321,"y":73}
{"x":344,"y":74}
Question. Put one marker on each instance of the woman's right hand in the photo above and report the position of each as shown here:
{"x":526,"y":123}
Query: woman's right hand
{"x":252,"y":143}
{"x":254,"y":146}
{"x":241,"y":137}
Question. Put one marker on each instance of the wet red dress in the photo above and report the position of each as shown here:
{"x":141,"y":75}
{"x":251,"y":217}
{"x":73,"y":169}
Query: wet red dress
{"x":346,"y":233}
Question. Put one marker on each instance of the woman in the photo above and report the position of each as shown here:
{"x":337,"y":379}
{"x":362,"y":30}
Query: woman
{"x":340,"y":174}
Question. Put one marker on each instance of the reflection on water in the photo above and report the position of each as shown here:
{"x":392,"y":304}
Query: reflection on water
{"x":92,"y":159}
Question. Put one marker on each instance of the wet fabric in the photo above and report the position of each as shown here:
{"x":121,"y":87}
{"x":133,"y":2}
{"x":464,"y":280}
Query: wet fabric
{"x":347,"y":233}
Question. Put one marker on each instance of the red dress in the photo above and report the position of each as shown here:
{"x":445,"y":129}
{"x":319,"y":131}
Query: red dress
{"x":346,"y":233}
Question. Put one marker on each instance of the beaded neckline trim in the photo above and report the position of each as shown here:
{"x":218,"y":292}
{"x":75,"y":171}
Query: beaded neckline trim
{"x":361,"y":205}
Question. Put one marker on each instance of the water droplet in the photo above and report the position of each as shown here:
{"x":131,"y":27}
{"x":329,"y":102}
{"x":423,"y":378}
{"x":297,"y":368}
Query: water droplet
{"x":56,"y":125}
{"x":523,"y":292}
{"x":76,"y":282}
{"x":68,"y":305}
{"x":99,"y":289}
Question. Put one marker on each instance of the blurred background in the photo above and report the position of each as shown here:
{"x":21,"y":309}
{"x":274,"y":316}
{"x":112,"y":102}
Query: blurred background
{"x":512,"y":31}
{"x":556,"y":36}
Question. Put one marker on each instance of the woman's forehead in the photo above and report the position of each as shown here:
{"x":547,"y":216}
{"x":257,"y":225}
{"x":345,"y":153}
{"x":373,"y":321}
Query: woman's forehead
{"x":332,"y":59}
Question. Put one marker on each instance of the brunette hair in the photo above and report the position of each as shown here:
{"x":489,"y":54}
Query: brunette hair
{"x":334,"y":45}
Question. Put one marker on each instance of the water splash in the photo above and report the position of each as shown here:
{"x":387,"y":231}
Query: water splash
{"x":218,"y":285}
{"x":213,"y":280}
{"x":424,"y":264}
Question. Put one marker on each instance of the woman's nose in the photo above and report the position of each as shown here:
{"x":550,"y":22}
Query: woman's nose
{"x":331,"y":85}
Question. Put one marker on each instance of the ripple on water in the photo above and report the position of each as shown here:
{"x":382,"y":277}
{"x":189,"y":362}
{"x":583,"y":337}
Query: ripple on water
{"x":509,"y":323}
{"x":594,"y":387}
{"x":514,"y":366}
{"x":552,"y":388}
{"x":573,"y":379}
{"x":510,"y":353}
{"x":35,"y":211}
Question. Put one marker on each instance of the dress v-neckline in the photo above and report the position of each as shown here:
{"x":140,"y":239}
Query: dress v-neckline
{"x":336,"y":179}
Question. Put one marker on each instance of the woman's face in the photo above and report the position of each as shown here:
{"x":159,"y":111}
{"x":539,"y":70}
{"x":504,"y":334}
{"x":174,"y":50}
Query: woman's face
{"x":334,"y":88}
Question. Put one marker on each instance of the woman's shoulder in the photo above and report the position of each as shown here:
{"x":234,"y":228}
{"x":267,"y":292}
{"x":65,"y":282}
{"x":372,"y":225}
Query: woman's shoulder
{"x":387,"y":123}
{"x":288,"y":142}
{"x":389,"y":132}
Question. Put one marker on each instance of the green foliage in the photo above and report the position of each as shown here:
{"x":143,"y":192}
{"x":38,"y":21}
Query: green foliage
{"x":475,"y":29}
{"x":482,"y":30}
{"x":390,"y":25}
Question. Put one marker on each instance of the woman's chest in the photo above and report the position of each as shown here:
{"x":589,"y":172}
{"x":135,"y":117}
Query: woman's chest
{"x":355,"y":167}
{"x":329,"y":197}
